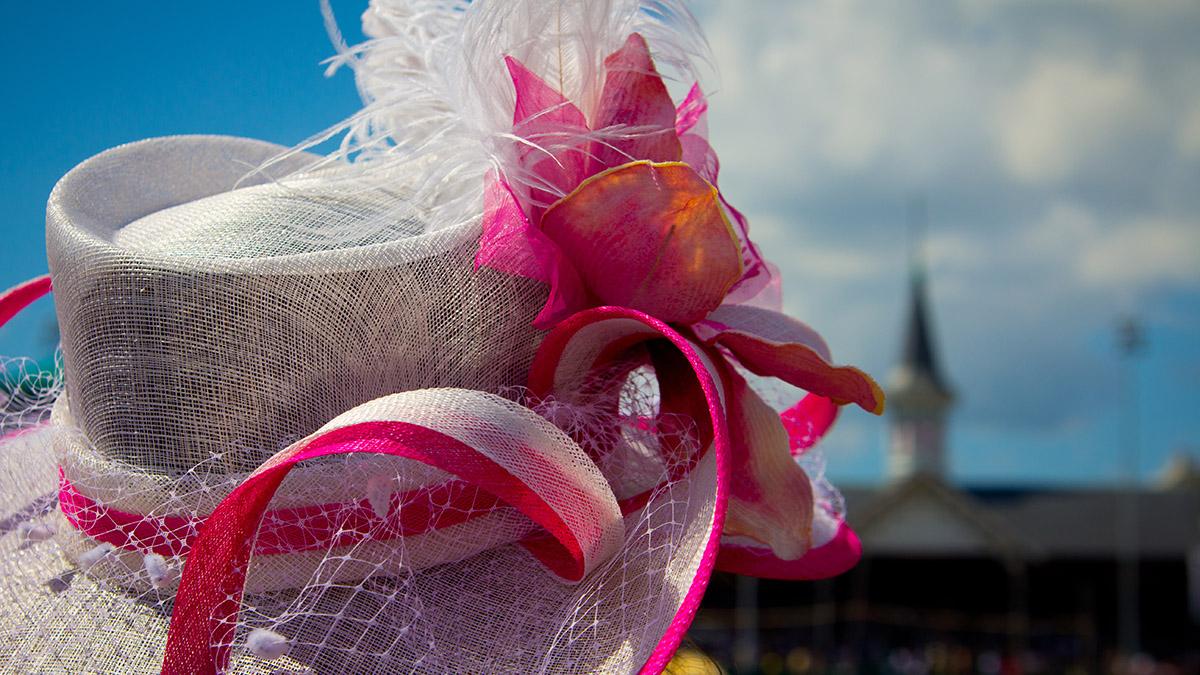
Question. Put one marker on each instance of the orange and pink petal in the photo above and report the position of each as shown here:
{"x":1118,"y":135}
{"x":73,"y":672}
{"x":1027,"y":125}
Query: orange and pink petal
{"x":636,"y":99}
{"x":511,"y":244}
{"x":780,"y":523}
{"x":651,"y":237}
{"x":775,"y":345}
{"x":770,"y":497}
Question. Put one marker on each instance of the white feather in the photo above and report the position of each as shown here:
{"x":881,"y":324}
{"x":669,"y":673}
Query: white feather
{"x":267,"y":644}
{"x":34,"y":533}
{"x":88,"y":559}
{"x":157,"y":569}
{"x":438,"y":99}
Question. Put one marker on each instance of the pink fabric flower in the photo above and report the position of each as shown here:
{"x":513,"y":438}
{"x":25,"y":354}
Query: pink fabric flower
{"x":623,"y":210}
{"x":636,"y":140}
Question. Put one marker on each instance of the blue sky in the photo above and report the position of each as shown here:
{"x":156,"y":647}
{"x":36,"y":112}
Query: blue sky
{"x":1057,"y":146}
{"x":87,"y":77}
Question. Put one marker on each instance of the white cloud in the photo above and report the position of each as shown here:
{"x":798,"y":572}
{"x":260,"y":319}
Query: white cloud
{"x":954,"y":251}
{"x":1056,"y":150}
{"x":1126,"y":255}
{"x":813,"y":91}
{"x":1189,"y":132}
{"x":835,"y":264}
{"x":1143,"y":252}
{"x":818,"y":88}
{"x":1063,"y":229}
{"x":809,"y":259}
{"x":1067,"y":113}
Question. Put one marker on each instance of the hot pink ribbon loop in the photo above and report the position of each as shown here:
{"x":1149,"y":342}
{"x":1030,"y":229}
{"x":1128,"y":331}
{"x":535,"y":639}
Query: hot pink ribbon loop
{"x":579,"y":516}
{"x":17,"y":298}
{"x":808,"y":421}
{"x":594,"y":338}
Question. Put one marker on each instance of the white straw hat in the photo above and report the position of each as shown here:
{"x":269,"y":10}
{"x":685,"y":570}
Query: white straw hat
{"x":423,"y":405}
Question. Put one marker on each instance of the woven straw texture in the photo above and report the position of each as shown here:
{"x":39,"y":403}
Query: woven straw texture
{"x":205,"y":328}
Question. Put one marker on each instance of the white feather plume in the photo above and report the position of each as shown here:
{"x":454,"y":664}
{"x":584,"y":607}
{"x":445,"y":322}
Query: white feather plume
{"x":438,"y":99}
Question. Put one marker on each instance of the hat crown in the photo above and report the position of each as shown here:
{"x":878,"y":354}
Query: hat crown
{"x":204,"y":328}
{"x":303,"y":216}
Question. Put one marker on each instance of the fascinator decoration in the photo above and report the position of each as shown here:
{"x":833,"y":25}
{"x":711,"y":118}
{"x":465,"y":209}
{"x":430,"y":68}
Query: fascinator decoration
{"x":468,"y":394}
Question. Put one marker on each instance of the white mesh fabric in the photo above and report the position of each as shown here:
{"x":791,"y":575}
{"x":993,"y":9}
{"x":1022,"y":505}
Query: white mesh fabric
{"x":498,"y":611}
{"x":301,"y":216}
{"x":204,"y":329}
{"x":173,"y":360}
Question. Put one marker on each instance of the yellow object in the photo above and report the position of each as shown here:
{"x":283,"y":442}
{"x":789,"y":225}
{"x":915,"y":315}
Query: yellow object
{"x":688,"y":661}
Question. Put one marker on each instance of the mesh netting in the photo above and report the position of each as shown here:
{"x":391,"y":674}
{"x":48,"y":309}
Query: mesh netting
{"x":204,"y":330}
{"x":27,"y":392}
{"x":366,"y":606}
{"x":829,"y":507}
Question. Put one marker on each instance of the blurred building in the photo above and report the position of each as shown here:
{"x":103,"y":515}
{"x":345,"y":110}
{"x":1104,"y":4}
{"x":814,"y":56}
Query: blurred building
{"x":961,"y":579}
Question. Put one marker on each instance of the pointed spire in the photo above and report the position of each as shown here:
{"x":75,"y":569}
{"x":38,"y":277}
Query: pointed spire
{"x":919,"y":355}
{"x":919,"y":397}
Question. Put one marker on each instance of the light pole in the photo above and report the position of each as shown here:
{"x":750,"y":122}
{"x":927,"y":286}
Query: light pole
{"x":745,"y":620}
{"x":1130,"y":343}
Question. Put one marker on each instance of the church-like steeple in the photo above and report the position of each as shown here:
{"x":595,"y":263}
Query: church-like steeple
{"x":918,"y":394}
{"x":919,"y":354}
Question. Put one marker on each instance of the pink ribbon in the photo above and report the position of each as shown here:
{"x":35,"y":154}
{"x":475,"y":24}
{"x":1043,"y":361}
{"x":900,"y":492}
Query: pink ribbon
{"x":628,"y":328}
{"x":288,"y":530}
{"x":210,"y":590}
{"x":219,"y":546}
{"x":17,"y":298}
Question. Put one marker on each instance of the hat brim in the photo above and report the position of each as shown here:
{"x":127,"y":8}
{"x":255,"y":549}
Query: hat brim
{"x":490,"y":608}
{"x":496,"y":612}
{"x":500,"y":611}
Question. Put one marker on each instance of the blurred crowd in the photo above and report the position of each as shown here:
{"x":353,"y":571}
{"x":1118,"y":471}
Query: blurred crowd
{"x":935,"y":659}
